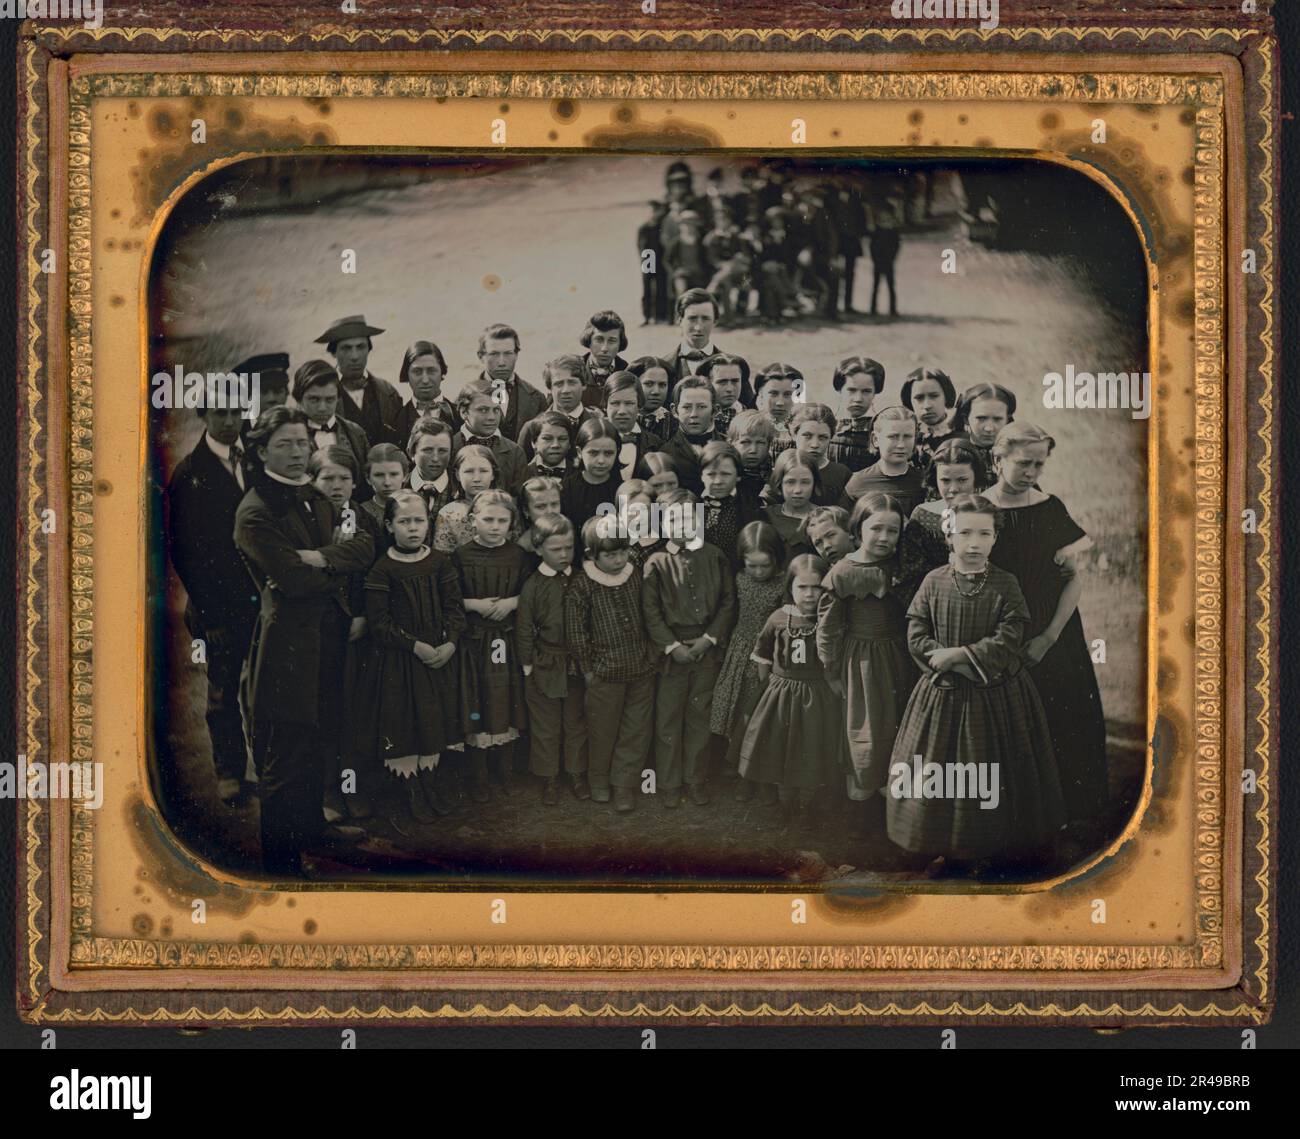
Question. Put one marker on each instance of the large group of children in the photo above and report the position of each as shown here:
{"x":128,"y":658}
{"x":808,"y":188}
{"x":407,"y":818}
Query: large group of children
{"x":678,"y":569}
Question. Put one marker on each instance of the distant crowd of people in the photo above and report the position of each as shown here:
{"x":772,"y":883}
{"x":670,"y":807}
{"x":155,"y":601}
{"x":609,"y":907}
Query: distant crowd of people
{"x":780,"y":246}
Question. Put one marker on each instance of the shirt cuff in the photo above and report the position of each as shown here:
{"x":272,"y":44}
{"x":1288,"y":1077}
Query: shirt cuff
{"x":675,"y":645}
{"x":760,"y":660}
{"x":528,"y":670}
{"x":711,"y":639}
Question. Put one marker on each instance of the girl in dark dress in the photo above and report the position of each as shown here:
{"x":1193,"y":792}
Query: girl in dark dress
{"x":760,"y":591}
{"x":334,"y":475}
{"x":1039,"y":543}
{"x":795,"y":736}
{"x":862,"y":641}
{"x":982,"y":412}
{"x":492,"y":571}
{"x":596,"y":480}
{"x":974,"y":714}
{"x":408,"y":707}
{"x":799,"y":483}
{"x":954,"y":471}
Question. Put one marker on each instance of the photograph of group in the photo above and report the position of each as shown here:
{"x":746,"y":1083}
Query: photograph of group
{"x":622,"y":519}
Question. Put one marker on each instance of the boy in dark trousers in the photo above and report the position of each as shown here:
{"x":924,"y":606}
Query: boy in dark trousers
{"x":552,"y":682}
{"x":690,"y":607}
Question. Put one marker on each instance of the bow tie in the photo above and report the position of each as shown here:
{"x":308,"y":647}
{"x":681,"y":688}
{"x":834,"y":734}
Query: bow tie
{"x":699,"y":440}
{"x":694,"y":354}
{"x":709,"y":500}
{"x":549,"y":472}
{"x":484,"y":440}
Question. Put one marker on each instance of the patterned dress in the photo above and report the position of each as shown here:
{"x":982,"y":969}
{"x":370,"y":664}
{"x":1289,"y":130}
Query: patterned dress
{"x":862,"y":639}
{"x":739,"y":687}
{"x":929,"y":440}
{"x":952,"y":720}
{"x":403,"y":708}
{"x":491,"y":681}
{"x":1066,"y":680}
{"x":795,"y":737}
{"x":452,"y":528}
{"x":922,"y":548}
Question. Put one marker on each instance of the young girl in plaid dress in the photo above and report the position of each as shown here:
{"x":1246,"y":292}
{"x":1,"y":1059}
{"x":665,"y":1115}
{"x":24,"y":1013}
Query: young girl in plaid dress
{"x":975,"y":704}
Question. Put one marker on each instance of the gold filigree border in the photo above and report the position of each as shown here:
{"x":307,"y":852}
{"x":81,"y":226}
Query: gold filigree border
{"x":198,"y":39}
{"x":55,"y":37}
{"x":143,"y":953}
{"x":1203,"y":92}
{"x":1100,"y":87}
{"x":689,"y":1009}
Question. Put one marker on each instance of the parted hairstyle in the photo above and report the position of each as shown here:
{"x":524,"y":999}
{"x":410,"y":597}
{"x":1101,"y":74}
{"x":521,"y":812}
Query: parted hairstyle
{"x":476,"y":451}
{"x":692,"y":383}
{"x":607,"y":320}
{"x":624,"y":381}
{"x":878,"y":503}
{"x":940,"y":378}
{"x":387,"y":453}
{"x":392,"y":506}
{"x":553,"y":418}
{"x":428,"y":425}
{"x":761,"y":538}
{"x":859,"y":365}
{"x":695,"y":297}
{"x":643,"y":364}
{"x":1015,"y":435}
{"x":480,"y":385}
{"x":961,"y":417}
{"x":791,"y":458}
{"x":597,"y":427}
{"x":570,"y":363}
{"x":816,"y":411}
{"x":496,"y":332}
{"x":954,"y":453}
{"x":804,"y":563}
{"x":549,"y":526}
{"x":777,"y":371}
{"x":417,"y":349}
{"x":311,"y":374}
{"x":268,"y":423}
{"x":715,"y":450}
{"x":334,"y":456}
{"x":902,"y":414}
{"x":725,"y":360}
{"x":532,"y":486}
{"x":497,"y":498}
{"x":974,"y":504}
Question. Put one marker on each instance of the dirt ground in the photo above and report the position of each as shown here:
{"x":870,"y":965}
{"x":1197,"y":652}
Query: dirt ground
{"x":544,"y":247}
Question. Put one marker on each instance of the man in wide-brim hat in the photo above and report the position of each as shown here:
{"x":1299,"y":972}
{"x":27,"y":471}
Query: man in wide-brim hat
{"x":365,"y":399}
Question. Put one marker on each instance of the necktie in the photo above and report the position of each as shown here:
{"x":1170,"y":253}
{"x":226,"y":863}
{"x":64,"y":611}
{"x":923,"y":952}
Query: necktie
{"x":713,"y":509}
{"x":237,"y":463}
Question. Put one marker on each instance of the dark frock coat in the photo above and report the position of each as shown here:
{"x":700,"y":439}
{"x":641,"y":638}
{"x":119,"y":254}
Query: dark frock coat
{"x":272,"y":523}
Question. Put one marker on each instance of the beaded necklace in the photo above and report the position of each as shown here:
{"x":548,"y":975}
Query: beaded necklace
{"x":957,"y":576}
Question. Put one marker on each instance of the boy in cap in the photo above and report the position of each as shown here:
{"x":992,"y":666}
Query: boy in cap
{"x":373,"y":404}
